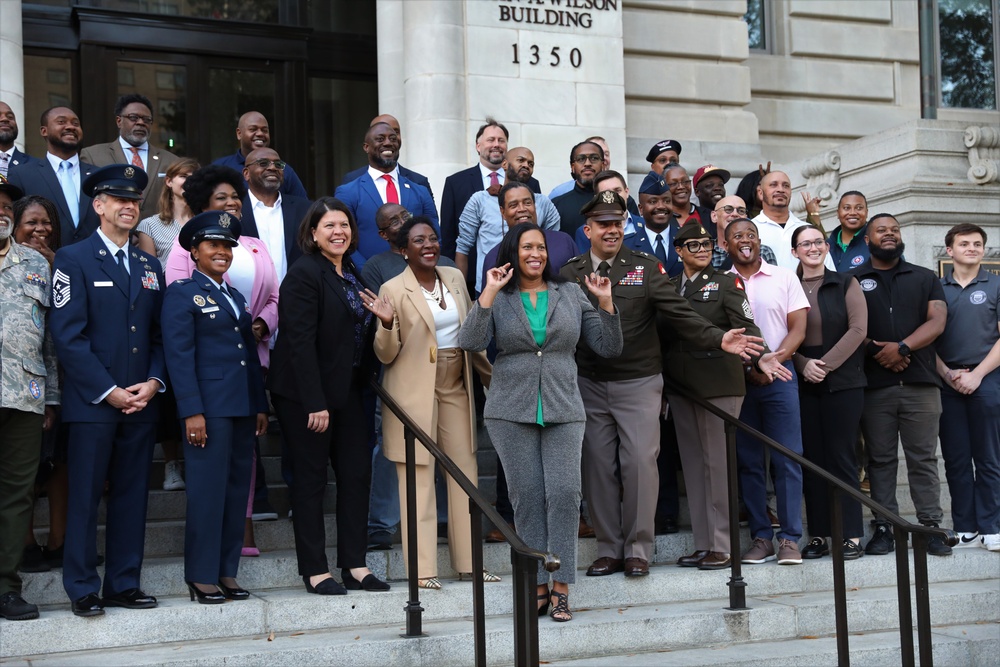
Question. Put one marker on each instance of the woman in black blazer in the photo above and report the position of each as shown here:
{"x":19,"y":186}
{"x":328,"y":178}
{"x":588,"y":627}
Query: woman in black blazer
{"x":322,"y":360}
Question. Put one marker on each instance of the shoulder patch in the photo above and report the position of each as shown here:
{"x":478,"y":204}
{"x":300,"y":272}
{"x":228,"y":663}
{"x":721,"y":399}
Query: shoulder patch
{"x":60,"y":289}
{"x":739,"y":284}
{"x":662,"y":270}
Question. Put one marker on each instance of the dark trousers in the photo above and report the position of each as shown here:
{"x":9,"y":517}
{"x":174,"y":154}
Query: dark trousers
{"x":21,"y":433}
{"x":217,"y":490}
{"x":345,"y":446}
{"x":120,"y":453}
{"x":970,"y":435}
{"x":668,"y":499}
{"x":829,"y":434}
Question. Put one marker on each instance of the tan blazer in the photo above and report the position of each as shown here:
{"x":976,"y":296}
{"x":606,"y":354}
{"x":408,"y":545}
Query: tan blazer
{"x":408,"y":351}
{"x":157,"y":161}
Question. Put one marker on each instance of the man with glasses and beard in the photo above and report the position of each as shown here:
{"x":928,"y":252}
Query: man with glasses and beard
{"x":585,"y":161}
{"x":907,"y":311}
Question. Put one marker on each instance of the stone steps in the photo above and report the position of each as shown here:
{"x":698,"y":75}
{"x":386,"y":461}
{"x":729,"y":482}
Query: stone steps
{"x":674,"y":609}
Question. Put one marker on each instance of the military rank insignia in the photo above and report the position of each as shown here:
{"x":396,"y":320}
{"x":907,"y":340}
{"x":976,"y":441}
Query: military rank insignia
{"x":60,"y":289}
{"x":633,"y":277}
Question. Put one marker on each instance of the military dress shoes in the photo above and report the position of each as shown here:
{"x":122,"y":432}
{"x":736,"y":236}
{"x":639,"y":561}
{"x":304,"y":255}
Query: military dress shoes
{"x":604,"y":566}
{"x":133,"y":598}
{"x":88,"y":605}
{"x":636,"y":567}
{"x":14,"y":608}
{"x":715,"y":560}
{"x":692,"y":560}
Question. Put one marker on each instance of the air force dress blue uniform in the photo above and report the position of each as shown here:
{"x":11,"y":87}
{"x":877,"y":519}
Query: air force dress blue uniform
{"x":215,"y":372}
{"x":106,"y":327}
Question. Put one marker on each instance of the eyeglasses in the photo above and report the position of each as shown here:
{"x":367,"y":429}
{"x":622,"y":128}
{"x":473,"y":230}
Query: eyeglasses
{"x":135,"y":118}
{"x":397,"y":220}
{"x":729,"y":210}
{"x":805,"y":245}
{"x":695,"y":246}
{"x":584,"y":159}
{"x":676,"y":184}
{"x":265,"y":163}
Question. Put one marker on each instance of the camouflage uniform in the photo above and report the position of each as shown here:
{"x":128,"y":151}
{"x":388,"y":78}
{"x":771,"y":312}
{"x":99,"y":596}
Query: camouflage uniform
{"x":29,"y":382}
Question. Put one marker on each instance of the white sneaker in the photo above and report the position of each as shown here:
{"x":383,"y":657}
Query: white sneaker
{"x":173,"y":480}
{"x":968,"y":540}
{"x":990,"y":542}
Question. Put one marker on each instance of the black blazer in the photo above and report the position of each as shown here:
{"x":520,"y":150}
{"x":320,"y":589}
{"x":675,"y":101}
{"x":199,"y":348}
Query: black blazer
{"x":410,"y":175}
{"x":458,"y":188}
{"x":36,"y":177}
{"x":312,"y":362}
{"x":293,"y":210}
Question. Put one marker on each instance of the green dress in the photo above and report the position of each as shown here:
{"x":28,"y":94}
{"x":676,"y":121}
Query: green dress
{"x":538,"y":316}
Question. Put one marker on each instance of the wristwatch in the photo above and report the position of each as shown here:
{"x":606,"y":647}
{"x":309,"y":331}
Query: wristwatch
{"x":904,"y":349}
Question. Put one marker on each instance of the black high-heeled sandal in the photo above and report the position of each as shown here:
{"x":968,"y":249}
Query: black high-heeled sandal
{"x":325,"y":587}
{"x":560,"y":607}
{"x":203,"y":597}
{"x":370,"y":583}
{"x":543,"y":609}
{"x":234,"y":593}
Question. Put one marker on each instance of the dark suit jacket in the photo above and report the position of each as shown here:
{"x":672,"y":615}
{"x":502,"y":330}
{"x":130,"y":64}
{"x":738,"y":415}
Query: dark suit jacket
{"x":720,"y":298}
{"x":36,"y":177}
{"x":293,"y":210}
{"x":457,"y":189}
{"x":642,"y":243}
{"x":312,"y":362}
{"x":413,"y":176}
{"x":106,"y":333}
{"x":157,"y":161}
{"x":363,"y":199}
{"x":18,"y":158}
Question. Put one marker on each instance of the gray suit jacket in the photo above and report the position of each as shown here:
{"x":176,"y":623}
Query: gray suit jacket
{"x":522,"y":368}
{"x":101,"y":155}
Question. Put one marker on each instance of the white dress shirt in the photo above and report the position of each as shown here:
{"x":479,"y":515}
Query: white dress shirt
{"x":381,"y":185}
{"x":271,"y":228}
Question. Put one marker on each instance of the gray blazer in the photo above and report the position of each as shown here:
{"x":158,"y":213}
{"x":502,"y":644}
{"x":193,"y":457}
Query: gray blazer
{"x":522,"y":367}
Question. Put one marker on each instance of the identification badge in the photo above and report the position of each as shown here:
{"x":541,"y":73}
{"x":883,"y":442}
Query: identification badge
{"x":104,"y":283}
{"x":210,"y":309}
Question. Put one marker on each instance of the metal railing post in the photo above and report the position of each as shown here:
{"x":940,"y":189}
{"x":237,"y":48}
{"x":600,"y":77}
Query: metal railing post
{"x":903,"y":596}
{"x":478,"y":598}
{"x":923,"y":599}
{"x":839,"y":578}
{"x":525,"y":610}
{"x":414,"y":612}
{"x":737,"y":586}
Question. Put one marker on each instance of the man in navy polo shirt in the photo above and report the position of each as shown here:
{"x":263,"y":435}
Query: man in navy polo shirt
{"x":968,"y":358}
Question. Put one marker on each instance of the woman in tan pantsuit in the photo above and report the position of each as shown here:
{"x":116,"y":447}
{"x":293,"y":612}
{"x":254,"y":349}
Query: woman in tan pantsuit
{"x":421,"y":311}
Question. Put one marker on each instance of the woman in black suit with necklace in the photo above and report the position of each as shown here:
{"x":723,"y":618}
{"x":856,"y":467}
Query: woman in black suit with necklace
{"x":322,"y":360}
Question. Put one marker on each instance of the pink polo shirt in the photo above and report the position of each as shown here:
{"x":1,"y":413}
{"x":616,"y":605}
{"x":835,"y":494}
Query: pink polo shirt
{"x":773,"y":293}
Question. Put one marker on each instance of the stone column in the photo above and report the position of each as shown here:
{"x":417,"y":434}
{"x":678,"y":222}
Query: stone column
{"x":12,"y":61}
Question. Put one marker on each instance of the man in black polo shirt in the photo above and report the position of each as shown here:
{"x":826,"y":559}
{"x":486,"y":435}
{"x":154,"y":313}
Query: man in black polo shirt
{"x":906,"y":313}
{"x":585,"y":161}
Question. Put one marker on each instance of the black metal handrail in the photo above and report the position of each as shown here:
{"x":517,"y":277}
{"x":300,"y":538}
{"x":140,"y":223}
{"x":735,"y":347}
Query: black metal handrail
{"x":523,"y":557}
{"x":901,"y":527}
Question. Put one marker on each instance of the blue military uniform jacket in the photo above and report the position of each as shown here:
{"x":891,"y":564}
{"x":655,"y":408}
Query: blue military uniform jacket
{"x":106,"y":332}
{"x":212,"y":353}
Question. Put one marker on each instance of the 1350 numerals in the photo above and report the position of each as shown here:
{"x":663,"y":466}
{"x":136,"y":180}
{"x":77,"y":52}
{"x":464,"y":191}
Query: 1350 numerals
{"x":535,"y":56}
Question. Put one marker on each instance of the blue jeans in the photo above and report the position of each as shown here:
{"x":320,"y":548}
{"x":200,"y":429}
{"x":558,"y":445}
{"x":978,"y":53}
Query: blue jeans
{"x":970,"y":434}
{"x":383,"y":506}
{"x":774,"y":411}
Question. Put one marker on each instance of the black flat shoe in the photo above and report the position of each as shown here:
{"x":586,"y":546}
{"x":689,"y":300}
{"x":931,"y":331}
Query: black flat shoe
{"x":325,"y":587}
{"x":235,"y":593}
{"x":88,"y":605}
{"x":133,"y":598}
{"x":370,"y":583}
{"x":203,"y":597}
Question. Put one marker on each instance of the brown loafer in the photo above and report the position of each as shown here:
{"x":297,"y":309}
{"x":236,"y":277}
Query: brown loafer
{"x":636,"y":567}
{"x":584,"y":530}
{"x":604,"y":566}
{"x":715,"y":560}
{"x":693,"y":559}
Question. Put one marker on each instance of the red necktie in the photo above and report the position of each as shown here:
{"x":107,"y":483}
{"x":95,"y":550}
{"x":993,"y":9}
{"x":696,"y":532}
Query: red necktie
{"x":136,"y":160}
{"x":494,"y":188}
{"x":391,"y":195}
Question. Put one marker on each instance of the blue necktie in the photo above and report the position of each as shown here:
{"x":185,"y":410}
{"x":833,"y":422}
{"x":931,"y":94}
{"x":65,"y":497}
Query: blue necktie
{"x":123,"y":267}
{"x":70,"y":192}
{"x":660,"y":251}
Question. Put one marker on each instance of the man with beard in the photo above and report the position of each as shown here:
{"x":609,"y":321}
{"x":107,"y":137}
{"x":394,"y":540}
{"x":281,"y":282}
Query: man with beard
{"x":726,"y":210}
{"x":481,"y":226}
{"x":269,"y":215}
{"x":134,"y":118}
{"x":29,"y":392}
{"x":779,"y":307}
{"x":776,"y":222}
{"x":59,"y":175}
{"x":661,"y":223}
{"x":686,"y":211}
{"x":566,"y":186}
{"x":382,"y":185}
{"x":585,"y":161}
{"x":487,"y":174}
{"x":907,"y":311}
{"x":622,"y":397}
{"x":710,"y":185}
{"x":9,"y":153}
{"x":414,"y":177}
{"x":253,"y":132}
